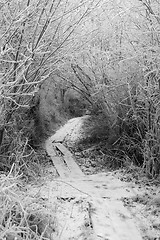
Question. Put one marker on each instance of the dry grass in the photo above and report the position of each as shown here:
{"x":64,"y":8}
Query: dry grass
{"x":20,"y":218}
{"x":130,"y":113}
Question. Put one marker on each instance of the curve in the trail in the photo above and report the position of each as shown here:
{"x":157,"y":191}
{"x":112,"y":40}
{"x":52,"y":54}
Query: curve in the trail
{"x":71,"y":132}
{"x":97,"y":198}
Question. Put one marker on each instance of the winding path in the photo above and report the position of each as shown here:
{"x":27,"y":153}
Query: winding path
{"x":96,"y":211}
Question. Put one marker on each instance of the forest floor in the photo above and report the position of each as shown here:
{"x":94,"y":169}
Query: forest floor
{"x":103,"y":204}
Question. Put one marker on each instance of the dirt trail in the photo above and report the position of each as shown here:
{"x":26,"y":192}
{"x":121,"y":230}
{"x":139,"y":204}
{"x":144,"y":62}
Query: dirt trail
{"x":88,"y":207}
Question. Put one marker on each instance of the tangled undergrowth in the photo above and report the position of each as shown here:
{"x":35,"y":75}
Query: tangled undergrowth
{"x":139,"y":134}
{"x":115,"y":70}
{"x":20,"y":216}
{"x":133,"y":139}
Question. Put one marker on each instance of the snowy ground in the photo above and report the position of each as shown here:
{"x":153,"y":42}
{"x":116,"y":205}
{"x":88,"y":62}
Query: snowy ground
{"x":97,"y":206}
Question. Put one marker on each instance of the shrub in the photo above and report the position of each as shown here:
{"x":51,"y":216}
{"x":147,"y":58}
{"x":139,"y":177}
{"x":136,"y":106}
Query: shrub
{"x":18,"y":218}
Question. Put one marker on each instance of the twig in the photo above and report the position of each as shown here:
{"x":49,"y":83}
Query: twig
{"x":72,"y":187}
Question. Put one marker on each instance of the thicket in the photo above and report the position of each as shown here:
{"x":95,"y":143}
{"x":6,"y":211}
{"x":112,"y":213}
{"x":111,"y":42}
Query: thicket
{"x":117,"y":72}
{"x":107,"y":51}
{"x":35,"y":38}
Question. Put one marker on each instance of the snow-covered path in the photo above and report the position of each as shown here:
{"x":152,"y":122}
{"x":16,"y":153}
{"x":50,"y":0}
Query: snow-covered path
{"x":91,"y":206}
{"x":71,"y":132}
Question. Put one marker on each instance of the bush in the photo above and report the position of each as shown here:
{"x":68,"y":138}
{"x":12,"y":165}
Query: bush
{"x":35,"y":38}
{"x":18,"y":218}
